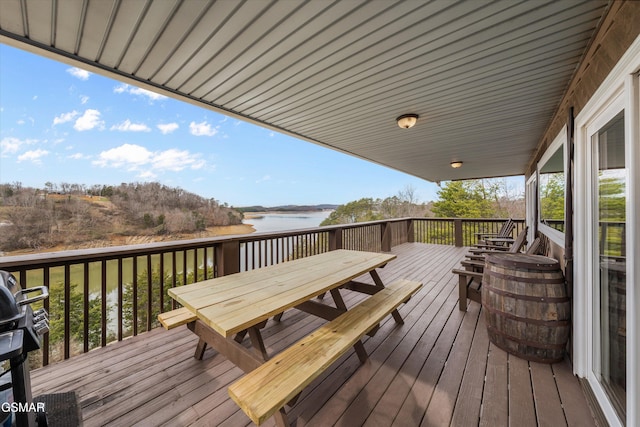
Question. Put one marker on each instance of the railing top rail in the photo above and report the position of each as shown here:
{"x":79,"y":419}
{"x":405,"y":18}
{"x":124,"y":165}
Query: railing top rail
{"x":114,"y":252}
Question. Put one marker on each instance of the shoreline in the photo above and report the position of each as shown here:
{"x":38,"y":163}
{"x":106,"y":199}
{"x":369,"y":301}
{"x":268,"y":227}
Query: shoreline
{"x":222,"y":230}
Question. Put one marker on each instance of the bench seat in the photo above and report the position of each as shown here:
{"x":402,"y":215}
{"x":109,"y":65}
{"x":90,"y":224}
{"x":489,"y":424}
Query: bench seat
{"x":264,"y":391}
{"x":178,"y":317}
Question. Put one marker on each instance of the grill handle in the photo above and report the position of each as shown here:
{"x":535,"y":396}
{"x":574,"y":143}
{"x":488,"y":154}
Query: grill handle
{"x":43,"y":295}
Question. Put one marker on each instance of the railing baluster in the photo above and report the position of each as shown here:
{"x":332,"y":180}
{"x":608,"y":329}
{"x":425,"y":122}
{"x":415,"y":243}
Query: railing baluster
{"x":85,"y":304}
{"x":67,"y":310}
{"x":134,"y":292}
{"x":150,"y":292}
{"x":120,"y":319}
{"x":103,"y":302}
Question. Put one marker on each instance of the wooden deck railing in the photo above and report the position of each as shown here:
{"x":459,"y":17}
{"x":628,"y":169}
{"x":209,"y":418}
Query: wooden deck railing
{"x":98,"y":296}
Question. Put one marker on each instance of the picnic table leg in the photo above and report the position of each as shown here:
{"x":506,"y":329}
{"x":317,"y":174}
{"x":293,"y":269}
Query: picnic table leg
{"x":200,"y":348}
{"x":378,"y":281}
{"x":244,"y":358}
{"x":337,"y":298}
{"x":257,"y":343}
{"x":240,"y":336}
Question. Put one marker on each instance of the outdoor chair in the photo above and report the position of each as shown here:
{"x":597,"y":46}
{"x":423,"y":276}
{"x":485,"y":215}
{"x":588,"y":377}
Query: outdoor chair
{"x":475,"y":260}
{"x":483,"y":238}
{"x":515,"y":246}
{"x":470,"y":278}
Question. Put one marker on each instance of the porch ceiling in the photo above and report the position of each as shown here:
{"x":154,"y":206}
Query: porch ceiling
{"x":485,"y":77}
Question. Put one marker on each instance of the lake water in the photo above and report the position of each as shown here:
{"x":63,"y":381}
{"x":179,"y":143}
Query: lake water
{"x":270,"y":222}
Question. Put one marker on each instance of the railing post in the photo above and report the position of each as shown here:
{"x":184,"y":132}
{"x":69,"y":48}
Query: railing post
{"x":457,"y":230}
{"x":228,"y":258}
{"x":335,"y":239}
{"x":385,"y":235}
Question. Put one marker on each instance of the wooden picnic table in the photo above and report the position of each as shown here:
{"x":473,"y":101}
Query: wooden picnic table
{"x":229,"y":307}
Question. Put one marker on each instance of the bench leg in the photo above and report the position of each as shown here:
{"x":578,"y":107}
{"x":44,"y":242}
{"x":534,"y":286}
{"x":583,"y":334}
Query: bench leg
{"x":278,"y":317}
{"x":282,"y":420}
{"x":397,"y":317}
{"x":361,"y":352}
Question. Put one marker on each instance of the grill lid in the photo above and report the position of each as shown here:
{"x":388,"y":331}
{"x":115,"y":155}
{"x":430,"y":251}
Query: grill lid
{"x":9,"y":310}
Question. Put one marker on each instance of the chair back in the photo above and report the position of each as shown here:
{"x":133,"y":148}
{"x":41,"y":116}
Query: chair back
{"x":534,"y":247}
{"x":540,"y":245}
{"x":507,"y":228}
{"x":520,"y":241}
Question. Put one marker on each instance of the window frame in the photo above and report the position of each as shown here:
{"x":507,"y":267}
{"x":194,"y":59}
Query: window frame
{"x":558,"y":142}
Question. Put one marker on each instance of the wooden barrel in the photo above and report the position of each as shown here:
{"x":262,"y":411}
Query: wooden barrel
{"x":526,"y":306}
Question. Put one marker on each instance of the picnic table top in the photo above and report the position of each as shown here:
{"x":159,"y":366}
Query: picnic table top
{"x":233,"y":303}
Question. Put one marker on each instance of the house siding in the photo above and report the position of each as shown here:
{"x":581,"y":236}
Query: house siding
{"x":617,"y":30}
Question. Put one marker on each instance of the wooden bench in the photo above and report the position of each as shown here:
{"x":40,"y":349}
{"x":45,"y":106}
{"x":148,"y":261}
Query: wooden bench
{"x":264,"y":391}
{"x":178,"y":317}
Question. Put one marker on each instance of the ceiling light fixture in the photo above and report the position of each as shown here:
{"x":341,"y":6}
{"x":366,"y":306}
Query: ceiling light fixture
{"x":407,"y":120}
{"x":456,"y":165}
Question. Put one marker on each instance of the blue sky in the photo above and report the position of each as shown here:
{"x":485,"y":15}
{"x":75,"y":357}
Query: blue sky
{"x":62,"y":124}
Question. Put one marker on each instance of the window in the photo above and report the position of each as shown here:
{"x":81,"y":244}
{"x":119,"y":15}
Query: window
{"x":551,"y":190}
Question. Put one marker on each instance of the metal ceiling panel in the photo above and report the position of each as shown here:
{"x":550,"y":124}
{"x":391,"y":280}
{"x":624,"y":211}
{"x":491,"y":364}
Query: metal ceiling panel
{"x":485,"y":76}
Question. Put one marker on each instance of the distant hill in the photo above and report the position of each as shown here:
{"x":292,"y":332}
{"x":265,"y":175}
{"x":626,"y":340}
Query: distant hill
{"x":287,"y":208}
{"x":73,"y":215}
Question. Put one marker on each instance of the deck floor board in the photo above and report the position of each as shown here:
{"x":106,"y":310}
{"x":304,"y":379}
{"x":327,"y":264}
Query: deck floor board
{"x":437,"y":369}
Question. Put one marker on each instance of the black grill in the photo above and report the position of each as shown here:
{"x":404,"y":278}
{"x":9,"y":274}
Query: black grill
{"x":20,"y":332}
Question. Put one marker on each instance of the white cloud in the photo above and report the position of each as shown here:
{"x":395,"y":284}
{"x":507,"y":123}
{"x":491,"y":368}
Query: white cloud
{"x":84,"y":99}
{"x":33,"y":156}
{"x":202,"y":129}
{"x":125,"y":88}
{"x":166,"y":128}
{"x":79,"y":73}
{"x":263,"y":179}
{"x":10,"y":144}
{"x":89,"y":120}
{"x":137,"y":158}
{"x":65,"y":117}
{"x":127,"y":126}
{"x":79,"y":156}
{"x":147,"y":175}
{"x":127,"y":155}
{"x":176,"y":160}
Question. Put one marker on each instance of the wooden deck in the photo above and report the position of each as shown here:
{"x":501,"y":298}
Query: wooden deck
{"x":437,"y":369}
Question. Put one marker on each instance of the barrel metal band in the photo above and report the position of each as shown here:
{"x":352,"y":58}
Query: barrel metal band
{"x":538,"y":344}
{"x":527,"y":297}
{"x":538,"y":280}
{"x":526,"y":319}
{"x":515,"y":263}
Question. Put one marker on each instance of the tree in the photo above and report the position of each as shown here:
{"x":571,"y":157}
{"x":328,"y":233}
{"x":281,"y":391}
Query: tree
{"x":357,"y":211}
{"x":463,"y":199}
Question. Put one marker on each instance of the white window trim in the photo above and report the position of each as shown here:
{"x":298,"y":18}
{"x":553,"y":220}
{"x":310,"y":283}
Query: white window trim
{"x":531,"y":204}
{"x":620,"y":86}
{"x":559,"y":141}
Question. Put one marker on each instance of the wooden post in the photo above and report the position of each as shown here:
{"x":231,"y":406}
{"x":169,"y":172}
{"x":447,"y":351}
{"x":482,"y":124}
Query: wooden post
{"x":335,"y":239}
{"x":227,"y":256}
{"x":385,"y":235}
{"x":457,"y":230}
